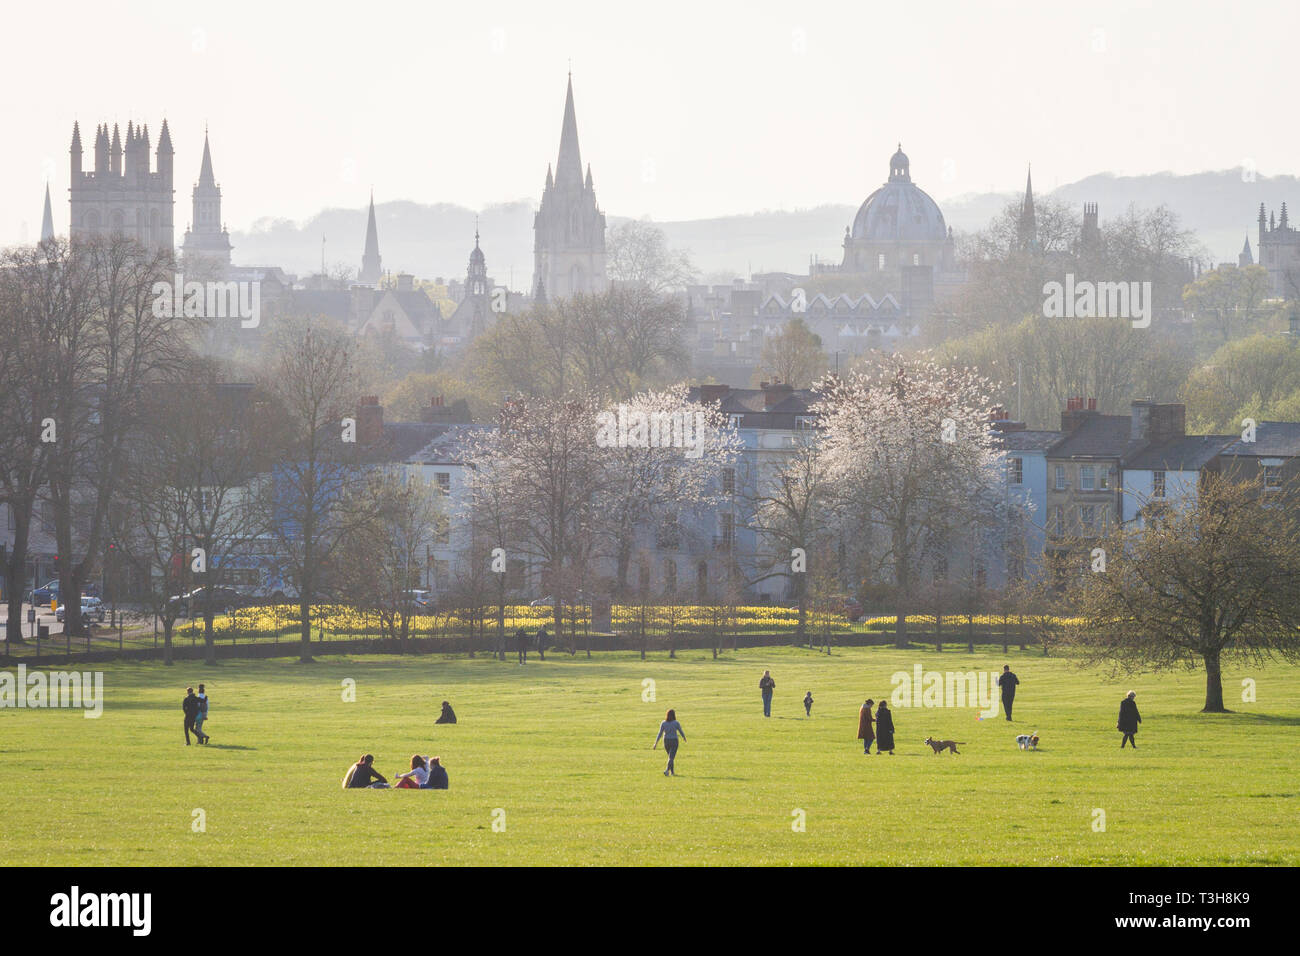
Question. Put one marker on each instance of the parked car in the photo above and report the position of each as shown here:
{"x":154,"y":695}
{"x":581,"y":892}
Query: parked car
{"x":92,"y":608}
{"x":50,"y":591}
{"x":224,"y":600}
{"x":580,"y":599}
{"x":421,"y":600}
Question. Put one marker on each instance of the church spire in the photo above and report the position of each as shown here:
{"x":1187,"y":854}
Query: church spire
{"x":205,"y":171}
{"x":1028,"y":221}
{"x":47,"y":219}
{"x":568,"y":168}
{"x":370,"y":271}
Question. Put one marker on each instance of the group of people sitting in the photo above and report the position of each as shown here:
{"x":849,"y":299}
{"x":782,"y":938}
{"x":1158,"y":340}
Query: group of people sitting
{"x":426,"y":773}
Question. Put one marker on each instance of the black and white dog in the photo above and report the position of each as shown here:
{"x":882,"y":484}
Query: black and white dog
{"x":1027,"y":741}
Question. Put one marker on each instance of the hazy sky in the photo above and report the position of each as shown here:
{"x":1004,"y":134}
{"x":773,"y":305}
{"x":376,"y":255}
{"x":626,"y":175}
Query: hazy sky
{"x":685,"y":110}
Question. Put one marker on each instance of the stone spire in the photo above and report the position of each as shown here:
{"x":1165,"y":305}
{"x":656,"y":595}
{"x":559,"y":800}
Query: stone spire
{"x":1028,"y":229}
{"x":47,"y":219}
{"x":205,"y":171}
{"x":568,"y":168}
{"x":370,"y":269}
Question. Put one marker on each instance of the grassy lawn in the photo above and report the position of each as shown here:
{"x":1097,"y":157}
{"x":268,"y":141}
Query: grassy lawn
{"x":563,"y":748}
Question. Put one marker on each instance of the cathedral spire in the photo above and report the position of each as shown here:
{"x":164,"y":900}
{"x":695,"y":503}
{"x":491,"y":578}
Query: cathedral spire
{"x":370,"y":271}
{"x":47,"y":219}
{"x":568,"y":168}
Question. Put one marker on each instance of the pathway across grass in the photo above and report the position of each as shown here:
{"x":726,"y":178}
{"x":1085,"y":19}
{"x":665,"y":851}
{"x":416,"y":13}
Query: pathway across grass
{"x":551,"y":763}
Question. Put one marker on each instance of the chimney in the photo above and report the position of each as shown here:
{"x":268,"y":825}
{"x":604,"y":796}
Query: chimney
{"x":1151,"y":421}
{"x":405,"y":282}
{"x":370,"y":421}
{"x":713,"y":393}
{"x":775,"y":392}
{"x":1076,"y":413}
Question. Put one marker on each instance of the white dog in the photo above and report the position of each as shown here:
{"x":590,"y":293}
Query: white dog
{"x":1027,"y":741}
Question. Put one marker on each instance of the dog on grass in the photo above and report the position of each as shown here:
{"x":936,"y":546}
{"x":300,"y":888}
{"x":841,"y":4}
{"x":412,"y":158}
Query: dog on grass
{"x":1027,"y":741}
{"x":938,"y":746}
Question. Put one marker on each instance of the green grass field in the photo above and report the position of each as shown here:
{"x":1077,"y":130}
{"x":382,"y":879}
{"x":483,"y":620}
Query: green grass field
{"x":563,"y":748}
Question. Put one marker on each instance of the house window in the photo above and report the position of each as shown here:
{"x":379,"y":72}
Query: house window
{"x":805,"y":422}
{"x":733,"y":421}
{"x":1087,"y":478}
{"x":1016,"y":471}
{"x":726,"y":531}
{"x":1103,"y":479}
{"x":1157,"y":484}
{"x":442,"y":535}
{"x":880,"y":261}
{"x":916,"y":258}
{"x":1088,"y":519}
{"x":1272,"y":477}
{"x":729,"y":481}
{"x":1060,"y":521}
{"x":1060,"y":478}
{"x":443,"y":479}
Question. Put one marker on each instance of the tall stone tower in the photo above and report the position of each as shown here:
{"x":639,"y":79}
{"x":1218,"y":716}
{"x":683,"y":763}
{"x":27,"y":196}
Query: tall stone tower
{"x":122,"y":195}
{"x":47,"y":217}
{"x":207,"y":238}
{"x":477,"y":289}
{"x":569,"y":228}
{"x":1027,"y":228}
{"x":370,"y":272}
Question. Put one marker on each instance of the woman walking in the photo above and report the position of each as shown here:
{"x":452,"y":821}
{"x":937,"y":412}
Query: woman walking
{"x":1129,"y":718}
{"x":670,"y":730}
{"x":884,"y":730}
{"x":767,"y":685}
{"x":865,"y":733}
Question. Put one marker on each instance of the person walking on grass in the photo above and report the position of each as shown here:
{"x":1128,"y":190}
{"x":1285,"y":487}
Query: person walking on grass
{"x":1008,"y":681}
{"x":807,"y":703}
{"x":865,"y":733}
{"x":1129,"y":718}
{"x":190,"y":705}
{"x":542,"y":640}
{"x":521,"y":643}
{"x":202,"y":715}
{"x":669,"y":731}
{"x":767,"y":685}
{"x":884,"y":730}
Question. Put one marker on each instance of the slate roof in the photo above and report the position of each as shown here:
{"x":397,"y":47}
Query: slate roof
{"x":1272,"y":440}
{"x":1190,"y":453}
{"x":1029,"y":440}
{"x":1100,"y":436}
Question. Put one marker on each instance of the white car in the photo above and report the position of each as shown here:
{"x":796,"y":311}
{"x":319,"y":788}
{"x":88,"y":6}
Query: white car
{"x":92,"y":608}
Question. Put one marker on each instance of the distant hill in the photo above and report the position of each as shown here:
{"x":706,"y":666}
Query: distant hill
{"x":435,"y":240}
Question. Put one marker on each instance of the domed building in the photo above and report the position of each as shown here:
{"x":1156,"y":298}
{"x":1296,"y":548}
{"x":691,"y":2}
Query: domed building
{"x":898,"y":226}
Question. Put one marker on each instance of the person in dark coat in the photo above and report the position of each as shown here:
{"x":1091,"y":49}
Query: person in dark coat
{"x":865,"y":733}
{"x":521,"y":642}
{"x":1129,"y":718}
{"x":190,"y":705}
{"x":884,"y":730}
{"x":1008,"y":681}
{"x":766,"y":685}
{"x":365,"y":775}
{"x":448,"y":716}
{"x":542,"y":640}
{"x":437,"y":776}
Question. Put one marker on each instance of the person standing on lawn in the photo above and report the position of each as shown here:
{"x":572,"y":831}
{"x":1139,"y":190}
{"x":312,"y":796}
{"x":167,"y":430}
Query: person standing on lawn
{"x":1008,"y":681}
{"x":767,"y":685}
{"x":865,"y":733}
{"x":884,"y":730}
{"x":190,"y":705}
{"x":1129,"y":718}
{"x":202,"y":715}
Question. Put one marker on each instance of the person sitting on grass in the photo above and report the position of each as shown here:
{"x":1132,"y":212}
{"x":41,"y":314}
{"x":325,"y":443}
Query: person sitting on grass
{"x":414,"y":778}
{"x":437,"y":775}
{"x":448,"y":716}
{"x":363,"y":774}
